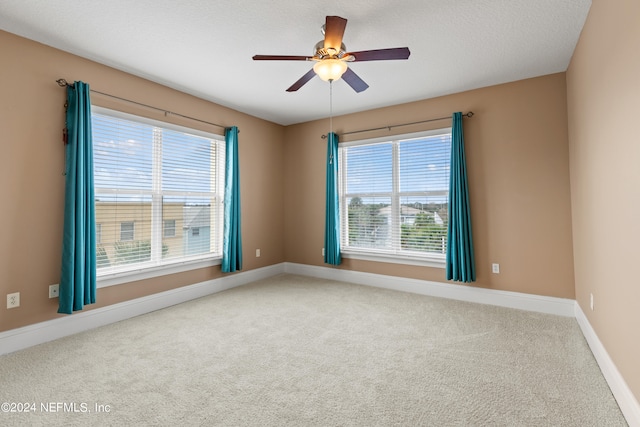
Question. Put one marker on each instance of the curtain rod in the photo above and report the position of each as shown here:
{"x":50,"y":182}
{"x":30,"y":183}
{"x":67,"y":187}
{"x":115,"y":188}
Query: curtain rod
{"x":469,"y":114}
{"x":63,"y":83}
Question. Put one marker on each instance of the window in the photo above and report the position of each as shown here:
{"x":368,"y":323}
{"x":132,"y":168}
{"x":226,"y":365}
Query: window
{"x":394,"y":197}
{"x":98,"y":233}
{"x":126,"y":231}
{"x":169,"y":228}
{"x":153,"y":182}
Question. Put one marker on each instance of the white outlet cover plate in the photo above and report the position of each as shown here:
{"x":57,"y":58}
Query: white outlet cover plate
{"x":13,"y":300}
{"x":54,"y":291}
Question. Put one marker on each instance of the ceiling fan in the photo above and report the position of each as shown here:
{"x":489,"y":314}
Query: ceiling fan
{"x":331,"y":57}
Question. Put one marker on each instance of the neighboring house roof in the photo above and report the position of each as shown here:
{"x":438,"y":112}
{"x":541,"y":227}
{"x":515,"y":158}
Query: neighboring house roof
{"x":196,"y":216}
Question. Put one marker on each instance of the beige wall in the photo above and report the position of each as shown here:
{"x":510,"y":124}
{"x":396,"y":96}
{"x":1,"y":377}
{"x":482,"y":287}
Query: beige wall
{"x":518,"y":166}
{"x":32,"y":184}
{"x":603,"y":85}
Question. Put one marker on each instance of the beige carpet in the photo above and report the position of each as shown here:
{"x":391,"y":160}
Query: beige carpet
{"x":298,"y":351}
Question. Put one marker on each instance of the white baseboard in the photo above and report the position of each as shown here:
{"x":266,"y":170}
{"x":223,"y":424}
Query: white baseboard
{"x":537,"y":303}
{"x":20,"y":338}
{"x":626,"y":400}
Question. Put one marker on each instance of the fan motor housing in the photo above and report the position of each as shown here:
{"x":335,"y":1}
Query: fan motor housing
{"x":320,"y":52}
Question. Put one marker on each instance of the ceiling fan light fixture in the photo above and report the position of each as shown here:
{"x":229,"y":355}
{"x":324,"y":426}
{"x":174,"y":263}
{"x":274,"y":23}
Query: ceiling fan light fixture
{"x":332,"y":57}
{"x":330,"y":69}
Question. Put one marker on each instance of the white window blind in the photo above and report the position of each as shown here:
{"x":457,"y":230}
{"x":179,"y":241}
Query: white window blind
{"x":154,"y":184}
{"x":394,"y":195}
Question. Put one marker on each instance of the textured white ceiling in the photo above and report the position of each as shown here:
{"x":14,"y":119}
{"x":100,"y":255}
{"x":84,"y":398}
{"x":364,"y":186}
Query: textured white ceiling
{"x":204,"y":47}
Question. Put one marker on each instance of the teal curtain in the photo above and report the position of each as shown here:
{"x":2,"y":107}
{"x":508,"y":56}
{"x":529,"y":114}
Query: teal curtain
{"x":78,"y":275}
{"x":232,"y":239}
{"x":460,"y":261}
{"x":332,"y":215}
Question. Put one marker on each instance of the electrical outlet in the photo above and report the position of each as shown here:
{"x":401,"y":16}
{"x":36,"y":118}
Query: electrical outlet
{"x":322,"y":251}
{"x":591,"y":302}
{"x":495,"y":268}
{"x":257,"y":253}
{"x":13,"y":300}
{"x":54,"y":291}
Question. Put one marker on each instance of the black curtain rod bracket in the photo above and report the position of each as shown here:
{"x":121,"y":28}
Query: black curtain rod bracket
{"x":468,"y":115}
{"x":64,"y":83}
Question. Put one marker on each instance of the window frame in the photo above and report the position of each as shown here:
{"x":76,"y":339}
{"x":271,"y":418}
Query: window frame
{"x":135,"y":272}
{"x":429,"y":259}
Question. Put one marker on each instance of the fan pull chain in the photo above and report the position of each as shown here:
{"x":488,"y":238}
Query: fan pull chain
{"x":331,"y":106}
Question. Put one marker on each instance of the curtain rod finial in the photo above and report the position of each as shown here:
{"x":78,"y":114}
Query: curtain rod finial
{"x":62,"y":82}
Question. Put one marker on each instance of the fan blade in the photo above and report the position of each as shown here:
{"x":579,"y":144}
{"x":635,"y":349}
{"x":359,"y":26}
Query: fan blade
{"x":333,"y":32}
{"x":302,"y":81}
{"x":281,"y":58}
{"x":354,"y":80}
{"x":381,"y":54}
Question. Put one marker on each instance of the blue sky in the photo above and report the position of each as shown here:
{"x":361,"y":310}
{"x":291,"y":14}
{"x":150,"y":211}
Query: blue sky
{"x":424,"y":166}
{"x":123,"y":152}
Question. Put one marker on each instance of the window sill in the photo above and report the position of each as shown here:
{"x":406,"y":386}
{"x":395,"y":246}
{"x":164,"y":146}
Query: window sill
{"x":112,"y":278}
{"x":433,"y":261}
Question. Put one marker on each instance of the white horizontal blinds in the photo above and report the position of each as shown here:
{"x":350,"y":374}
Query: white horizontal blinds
{"x":394,"y":195}
{"x":157,"y":193}
{"x":123,"y":190}
{"x":368,"y":182}
{"x":423,"y":193}
{"x":190,"y":185}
